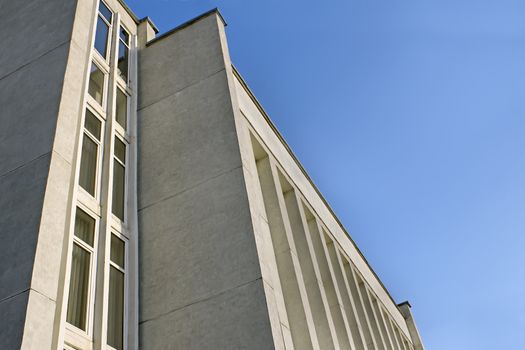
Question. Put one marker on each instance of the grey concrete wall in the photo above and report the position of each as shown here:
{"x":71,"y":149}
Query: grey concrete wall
{"x":39,"y":116}
{"x":200,"y":279}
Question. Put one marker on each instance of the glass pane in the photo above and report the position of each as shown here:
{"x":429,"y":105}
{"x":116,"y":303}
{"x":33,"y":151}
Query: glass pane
{"x":124,"y":36}
{"x":118,"y":190}
{"x":78,"y":287}
{"x":105,"y":11}
{"x":123,"y":60}
{"x":96,"y":83}
{"x":122,"y":108}
{"x":85,"y":227}
{"x":116,"y":309}
{"x":117,"y":251}
{"x":101,"y":37}
{"x":88,"y":165}
{"x":93,"y":124}
{"x":120,"y":150}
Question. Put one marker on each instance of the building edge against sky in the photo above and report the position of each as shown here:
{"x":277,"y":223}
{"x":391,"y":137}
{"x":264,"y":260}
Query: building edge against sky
{"x":149,"y":202}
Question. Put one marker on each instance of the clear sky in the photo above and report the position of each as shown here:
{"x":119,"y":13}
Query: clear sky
{"x":410,"y":117}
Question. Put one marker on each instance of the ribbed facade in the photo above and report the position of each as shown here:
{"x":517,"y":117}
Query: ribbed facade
{"x":150,"y":203}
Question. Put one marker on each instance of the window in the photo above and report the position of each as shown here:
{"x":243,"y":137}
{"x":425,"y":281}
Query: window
{"x":119,"y":179}
{"x":122,"y":109}
{"x":97,"y":80}
{"x":89,"y":157}
{"x":116,"y":293}
{"x":123,"y":54}
{"x":105,"y":17}
{"x":80,"y":275}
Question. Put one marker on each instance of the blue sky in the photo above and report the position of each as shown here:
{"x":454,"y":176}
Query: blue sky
{"x":410,"y":117}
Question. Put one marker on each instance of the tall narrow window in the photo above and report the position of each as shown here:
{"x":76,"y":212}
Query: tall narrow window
{"x":80,"y":275}
{"x":119,"y":179}
{"x":122,"y":109}
{"x":123,"y":54}
{"x":97,"y":80}
{"x":116,"y":293}
{"x":89,"y":157}
{"x":105,"y":17}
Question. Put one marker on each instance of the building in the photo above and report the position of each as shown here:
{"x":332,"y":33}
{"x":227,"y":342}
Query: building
{"x":147,"y":201}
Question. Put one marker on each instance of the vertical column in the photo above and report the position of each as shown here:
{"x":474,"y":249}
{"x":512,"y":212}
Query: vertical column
{"x":316,"y":295}
{"x":269,"y":268}
{"x":299,"y":314}
{"x":338,"y":273}
{"x":389,"y":328}
{"x":330,"y":283}
{"x":363,"y":294}
{"x":380,"y":320}
{"x":414,"y":333}
{"x":360,"y":307}
{"x":402,"y":341}
{"x":350,"y":307}
{"x":375,"y":317}
{"x":393,"y":332}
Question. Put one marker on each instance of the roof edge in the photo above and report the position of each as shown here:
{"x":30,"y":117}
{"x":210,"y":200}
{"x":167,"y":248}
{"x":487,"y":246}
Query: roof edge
{"x":187,"y":24}
{"x":150,"y":21}
{"x":406,"y":302}
{"x":129,"y":11}
{"x":303,"y":170}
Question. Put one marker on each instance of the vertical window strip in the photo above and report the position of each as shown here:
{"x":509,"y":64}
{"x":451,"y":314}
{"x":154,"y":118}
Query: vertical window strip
{"x":119,"y":179}
{"x":80,"y":279}
{"x":97,"y":83}
{"x":90,"y":153}
{"x":116,"y":299}
{"x":102,"y":34}
{"x":123,"y":54}
{"x":121,"y":115}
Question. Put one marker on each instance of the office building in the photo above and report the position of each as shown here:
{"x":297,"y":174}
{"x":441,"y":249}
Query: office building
{"x":148,"y":202}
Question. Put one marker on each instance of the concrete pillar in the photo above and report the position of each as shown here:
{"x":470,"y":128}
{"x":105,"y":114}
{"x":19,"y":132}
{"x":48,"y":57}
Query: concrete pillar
{"x":330,"y":284}
{"x":146,"y":31}
{"x":319,"y":302}
{"x":405,"y":309}
{"x":363,"y":316}
{"x":351,"y":311}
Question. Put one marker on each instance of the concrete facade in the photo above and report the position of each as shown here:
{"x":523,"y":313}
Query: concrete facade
{"x":229,"y":245}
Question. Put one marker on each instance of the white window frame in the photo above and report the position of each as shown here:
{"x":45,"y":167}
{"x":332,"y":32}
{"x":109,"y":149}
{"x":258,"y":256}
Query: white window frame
{"x":121,"y":131}
{"x":85,"y":195}
{"x":124,"y":270}
{"x":76,"y":335}
{"x":117,"y":223}
{"x":104,"y":68}
{"x":128,"y":45}
{"x":110,"y":31}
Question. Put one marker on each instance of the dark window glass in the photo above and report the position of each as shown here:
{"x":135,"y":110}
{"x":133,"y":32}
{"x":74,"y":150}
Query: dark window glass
{"x":101,"y":37}
{"x":122,"y":108}
{"x":93,"y":124}
{"x":120,"y":150}
{"x":78,"y":287}
{"x":123,"y":59}
{"x":119,"y":179}
{"x":124,"y":35}
{"x":117,"y":251}
{"x":105,"y":11}
{"x":116,"y":309}
{"x":96,"y":83}
{"x":85,"y":227}
{"x":88,"y":165}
